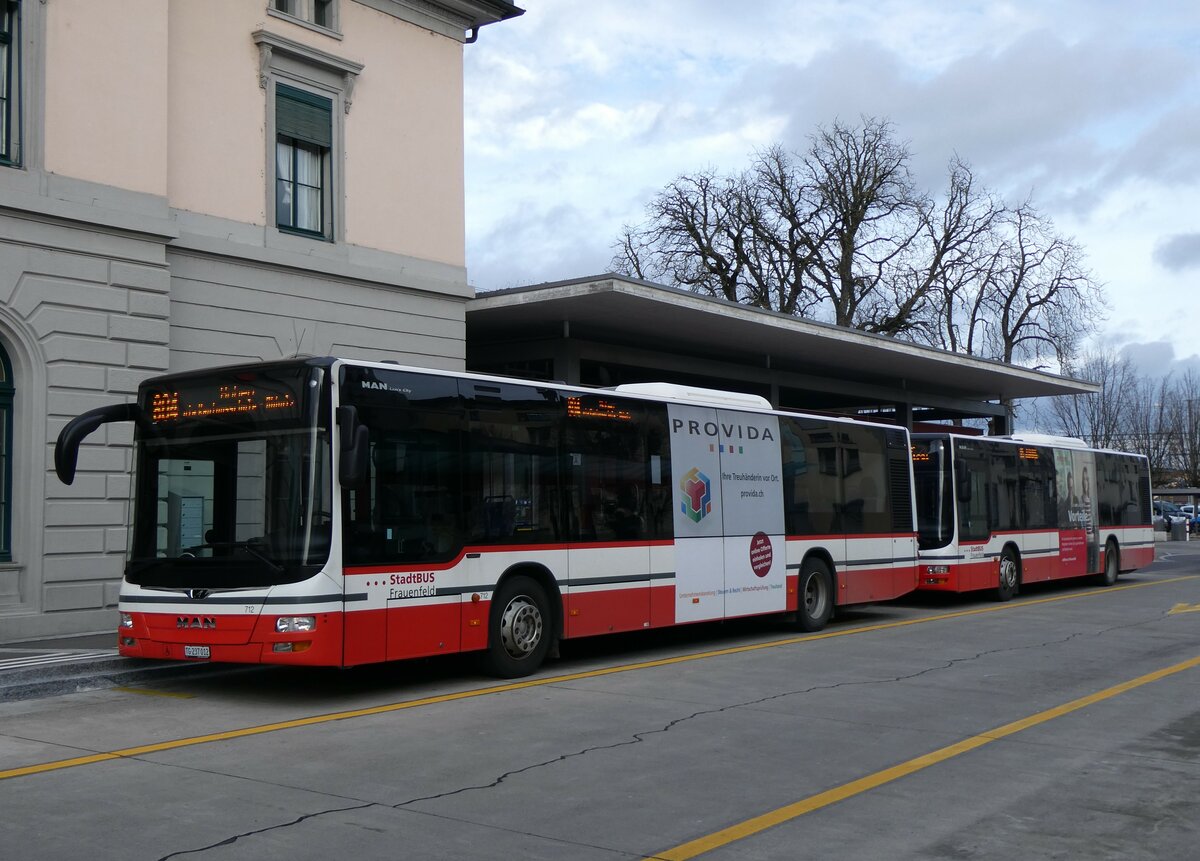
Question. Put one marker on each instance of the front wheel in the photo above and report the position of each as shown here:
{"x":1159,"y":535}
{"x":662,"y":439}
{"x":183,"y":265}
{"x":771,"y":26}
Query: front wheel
{"x":1010,"y":576}
{"x":816,"y":596}
{"x":519,"y":632}
{"x":1112,"y":565}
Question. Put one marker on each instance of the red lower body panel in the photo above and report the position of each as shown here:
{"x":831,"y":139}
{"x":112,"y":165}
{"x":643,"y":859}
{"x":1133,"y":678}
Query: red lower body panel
{"x":606,"y":612}
{"x":875,"y":584}
{"x":231,"y":639}
{"x":1136,"y":557}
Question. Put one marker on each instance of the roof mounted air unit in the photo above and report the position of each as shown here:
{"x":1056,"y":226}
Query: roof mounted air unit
{"x":696,"y":395}
{"x":1045,"y":439}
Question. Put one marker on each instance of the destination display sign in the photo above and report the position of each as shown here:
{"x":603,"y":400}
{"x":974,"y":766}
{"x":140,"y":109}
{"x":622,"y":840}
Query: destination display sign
{"x":221,"y":398}
{"x":597,"y":408}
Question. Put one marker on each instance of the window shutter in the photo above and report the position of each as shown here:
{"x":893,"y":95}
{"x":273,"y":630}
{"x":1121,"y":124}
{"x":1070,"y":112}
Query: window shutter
{"x":303,"y":116}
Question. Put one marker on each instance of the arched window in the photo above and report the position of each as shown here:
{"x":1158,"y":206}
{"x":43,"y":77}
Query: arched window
{"x":6,"y":449}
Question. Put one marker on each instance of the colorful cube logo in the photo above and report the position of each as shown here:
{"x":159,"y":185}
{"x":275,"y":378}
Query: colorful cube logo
{"x":697,"y":495}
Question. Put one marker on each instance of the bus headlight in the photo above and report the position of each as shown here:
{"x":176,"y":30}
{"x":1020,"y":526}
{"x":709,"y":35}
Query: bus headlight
{"x":126,"y":620}
{"x":937,"y":569}
{"x":295,"y":624}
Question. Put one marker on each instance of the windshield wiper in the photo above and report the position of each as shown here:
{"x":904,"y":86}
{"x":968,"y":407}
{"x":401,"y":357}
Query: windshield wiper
{"x":251,"y":547}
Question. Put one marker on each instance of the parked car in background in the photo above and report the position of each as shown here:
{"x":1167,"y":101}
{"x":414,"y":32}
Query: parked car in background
{"x":1168,"y":513}
{"x":1189,"y":510}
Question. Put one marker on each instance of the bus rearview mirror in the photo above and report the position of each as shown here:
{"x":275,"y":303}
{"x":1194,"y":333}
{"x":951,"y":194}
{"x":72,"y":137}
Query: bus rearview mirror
{"x":66,"y":447}
{"x":964,"y":488}
{"x":353,"y":462}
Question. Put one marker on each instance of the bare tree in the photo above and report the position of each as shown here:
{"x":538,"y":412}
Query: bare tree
{"x":693,"y":238}
{"x":871,"y":214}
{"x":1186,"y":396}
{"x":746,"y":238}
{"x":786,"y":233}
{"x":1100,"y":419}
{"x":828,"y":234}
{"x":1152,"y":423}
{"x":842,"y":233}
{"x":961,"y":236}
{"x":1039,"y":297}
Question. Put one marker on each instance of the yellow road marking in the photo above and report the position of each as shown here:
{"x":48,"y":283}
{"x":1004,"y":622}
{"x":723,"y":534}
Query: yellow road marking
{"x":872,"y":781}
{"x":146,"y":692}
{"x":1184,"y":608}
{"x":174,"y":744}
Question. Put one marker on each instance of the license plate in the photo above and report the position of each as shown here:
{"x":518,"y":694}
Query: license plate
{"x":197,"y":651}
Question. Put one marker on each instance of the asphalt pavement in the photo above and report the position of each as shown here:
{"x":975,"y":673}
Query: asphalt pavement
{"x":90,"y":662}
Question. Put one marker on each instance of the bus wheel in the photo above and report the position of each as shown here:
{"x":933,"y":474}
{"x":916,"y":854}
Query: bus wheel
{"x":1112,"y":565}
{"x":816,"y":596}
{"x":1010,"y":575}
{"x":519,"y":635}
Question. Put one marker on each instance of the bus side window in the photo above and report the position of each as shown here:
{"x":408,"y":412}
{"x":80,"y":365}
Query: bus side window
{"x":865,"y":481}
{"x":1005,"y":508}
{"x":407,"y":511}
{"x":795,"y":471}
{"x":510,"y":476}
{"x":971,"y":473}
{"x":1038,"y":507}
{"x":1116,"y":476}
{"x":659,"y":521}
{"x":813,"y":482}
{"x":609,"y":471}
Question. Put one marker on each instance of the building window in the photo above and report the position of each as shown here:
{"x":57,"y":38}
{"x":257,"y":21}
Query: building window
{"x":303,"y":138}
{"x":309,"y":93}
{"x":10,"y":82}
{"x":319,"y":13}
{"x":6,"y":424}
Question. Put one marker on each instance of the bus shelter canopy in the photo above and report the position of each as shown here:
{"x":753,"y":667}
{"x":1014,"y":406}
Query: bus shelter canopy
{"x":609,"y":329}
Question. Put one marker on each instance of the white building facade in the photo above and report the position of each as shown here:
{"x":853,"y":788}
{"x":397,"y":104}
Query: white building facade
{"x":186,"y":183}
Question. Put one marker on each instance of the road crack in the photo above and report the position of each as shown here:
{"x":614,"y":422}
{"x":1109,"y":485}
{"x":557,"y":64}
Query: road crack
{"x":636,"y":739}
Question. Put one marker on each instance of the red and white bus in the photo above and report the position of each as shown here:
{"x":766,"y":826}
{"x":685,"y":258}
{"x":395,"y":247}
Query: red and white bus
{"x":337,"y":512}
{"x":996,"y":512}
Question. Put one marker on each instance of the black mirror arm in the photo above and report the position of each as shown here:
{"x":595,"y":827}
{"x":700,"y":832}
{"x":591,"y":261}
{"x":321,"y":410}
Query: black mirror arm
{"x":66,"y":448}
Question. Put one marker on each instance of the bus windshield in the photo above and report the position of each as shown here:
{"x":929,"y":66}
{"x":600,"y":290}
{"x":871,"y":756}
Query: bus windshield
{"x":935,"y":497}
{"x":233,"y":479}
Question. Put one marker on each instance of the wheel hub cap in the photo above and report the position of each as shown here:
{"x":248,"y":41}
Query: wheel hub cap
{"x":521,"y":627}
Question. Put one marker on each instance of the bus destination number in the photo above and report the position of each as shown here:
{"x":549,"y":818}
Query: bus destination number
{"x":597,"y":409}
{"x":223,"y":401}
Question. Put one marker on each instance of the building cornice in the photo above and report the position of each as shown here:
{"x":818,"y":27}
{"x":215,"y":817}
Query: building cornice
{"x":457,"y":19}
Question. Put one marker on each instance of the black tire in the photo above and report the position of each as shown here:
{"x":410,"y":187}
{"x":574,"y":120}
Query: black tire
{"x":1112,"y":565}
{"x":1009,"y":580}
{"x":520,"y":629}
{"x":815,"y":605}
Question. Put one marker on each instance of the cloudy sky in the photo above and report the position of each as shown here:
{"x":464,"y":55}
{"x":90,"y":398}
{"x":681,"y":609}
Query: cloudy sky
{"x":578,"y":112}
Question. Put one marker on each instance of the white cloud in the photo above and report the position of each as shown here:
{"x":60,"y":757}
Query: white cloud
{"x":588,"y":125}
{"x":578,"y":112}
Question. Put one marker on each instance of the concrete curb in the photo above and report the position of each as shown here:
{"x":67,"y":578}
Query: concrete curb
{"x":93,"y":673}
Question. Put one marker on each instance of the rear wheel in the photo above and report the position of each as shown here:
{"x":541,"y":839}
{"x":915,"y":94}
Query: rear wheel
{"x":1112,"y":565}
{"x":1010,"y":575}
{"x":520,"y":630}
{"x":816,"y":596}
